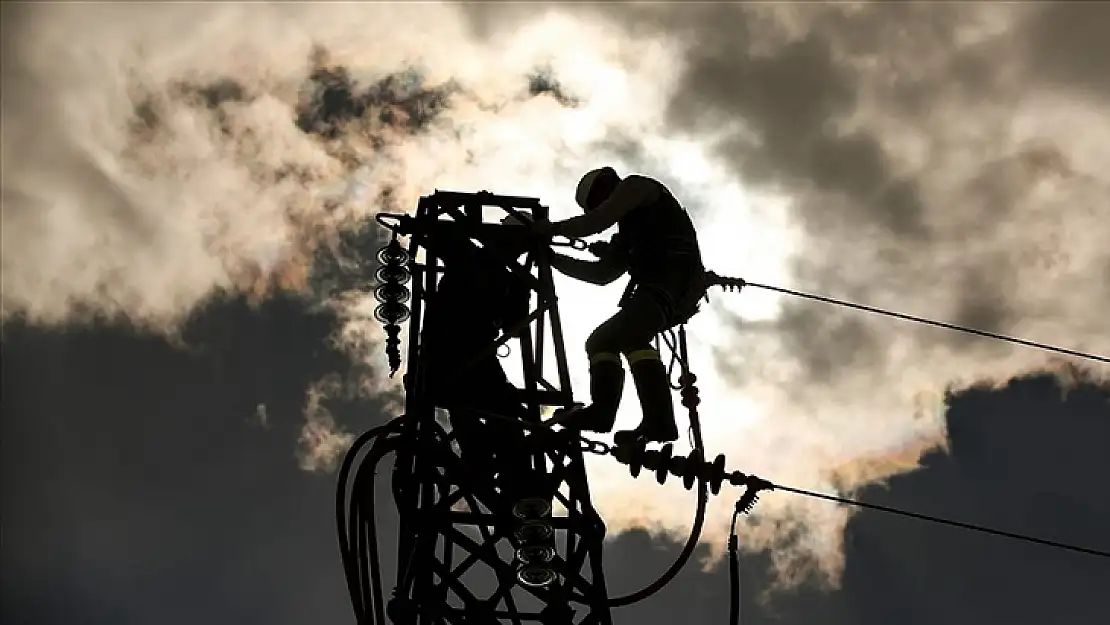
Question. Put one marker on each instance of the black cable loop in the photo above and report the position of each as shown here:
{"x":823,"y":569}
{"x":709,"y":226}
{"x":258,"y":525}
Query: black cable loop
{"x":703,"y":497}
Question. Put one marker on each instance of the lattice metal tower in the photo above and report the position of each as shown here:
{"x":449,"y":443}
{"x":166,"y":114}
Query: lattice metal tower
{"x":485,"y":489}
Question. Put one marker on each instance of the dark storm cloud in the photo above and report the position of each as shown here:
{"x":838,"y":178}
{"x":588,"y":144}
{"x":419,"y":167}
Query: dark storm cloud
{"x":1068,"y":46}
{"x":137,"y":487}
{"x":1022,"y":462}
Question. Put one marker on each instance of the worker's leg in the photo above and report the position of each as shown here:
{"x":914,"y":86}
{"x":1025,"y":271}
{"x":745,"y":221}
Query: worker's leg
{"x":606,"y":389}
{"x":676,"y":294}
{"x":632,"y":327}
{"x":654,"y":391}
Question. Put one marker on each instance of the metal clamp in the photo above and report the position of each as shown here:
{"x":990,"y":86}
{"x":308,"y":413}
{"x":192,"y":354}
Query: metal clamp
{"x":594,"y":447}
{"x":571,"y":242}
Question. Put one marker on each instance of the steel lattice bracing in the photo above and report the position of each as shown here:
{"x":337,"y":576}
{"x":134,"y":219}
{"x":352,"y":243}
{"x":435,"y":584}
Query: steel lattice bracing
{"x":476,"y":509}
{"x":452,"y":544}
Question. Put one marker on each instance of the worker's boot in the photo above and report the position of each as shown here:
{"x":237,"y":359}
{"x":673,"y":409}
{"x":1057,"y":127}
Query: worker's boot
{"x":654,"y":390}
{"x":606,"y":388}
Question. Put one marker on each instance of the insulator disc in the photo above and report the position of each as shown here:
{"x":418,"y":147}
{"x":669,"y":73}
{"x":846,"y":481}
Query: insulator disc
{"x":392,"y":292}
{"x":536,"y":575}
{"x":393,"y":254}
{"x":535,"y":554}
{"x":391,"y":312}
{"x":534,"y":532}
{"x":531,"y":508}
{"x":397,"y":274}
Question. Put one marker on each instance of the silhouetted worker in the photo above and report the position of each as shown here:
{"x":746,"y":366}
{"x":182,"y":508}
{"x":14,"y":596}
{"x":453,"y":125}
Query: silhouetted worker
{"x":657,"y":245}
{"x":476,"y":298}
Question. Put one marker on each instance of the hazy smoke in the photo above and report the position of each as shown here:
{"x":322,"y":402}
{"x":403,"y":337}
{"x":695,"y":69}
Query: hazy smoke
{"x":943,"y":160}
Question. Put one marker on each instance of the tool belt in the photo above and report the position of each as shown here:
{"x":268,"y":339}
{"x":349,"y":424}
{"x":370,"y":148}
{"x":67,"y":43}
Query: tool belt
{"x":679,"y":306}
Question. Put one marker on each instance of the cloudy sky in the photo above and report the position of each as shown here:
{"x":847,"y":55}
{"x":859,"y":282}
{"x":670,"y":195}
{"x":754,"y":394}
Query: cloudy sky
{"x":187,"y":345}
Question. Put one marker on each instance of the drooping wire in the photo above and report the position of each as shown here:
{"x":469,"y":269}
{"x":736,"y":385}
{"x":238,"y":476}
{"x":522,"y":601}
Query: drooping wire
{"x":734,"y":569}
{"x":939,"y":324}
{"x":943,"y":521}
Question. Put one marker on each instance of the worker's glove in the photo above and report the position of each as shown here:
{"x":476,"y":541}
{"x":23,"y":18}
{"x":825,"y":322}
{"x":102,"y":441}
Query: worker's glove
{"x":601,"y":249}
{"x":511,"y":220}
{"x":543,"y":228}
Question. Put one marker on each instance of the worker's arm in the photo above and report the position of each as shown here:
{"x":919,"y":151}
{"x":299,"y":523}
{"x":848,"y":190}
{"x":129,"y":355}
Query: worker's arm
{"x":599,"y":272}
{"x":632,"y":192}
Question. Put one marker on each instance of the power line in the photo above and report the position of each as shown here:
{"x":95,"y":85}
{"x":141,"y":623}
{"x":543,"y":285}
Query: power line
{"x":738,"y":283}
{"x":734,"y":552}
{"x":944,"y":521}
{"x":958,"y":328}
{"x":939,"y":324}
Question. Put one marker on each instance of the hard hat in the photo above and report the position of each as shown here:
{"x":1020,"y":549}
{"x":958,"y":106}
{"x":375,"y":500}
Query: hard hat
{"x":586,"y":184}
